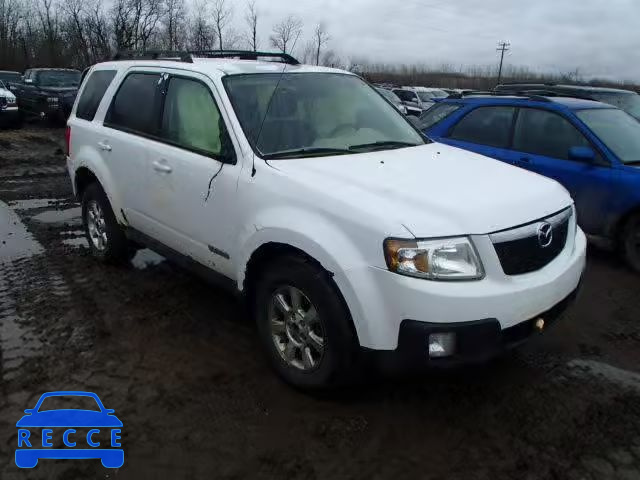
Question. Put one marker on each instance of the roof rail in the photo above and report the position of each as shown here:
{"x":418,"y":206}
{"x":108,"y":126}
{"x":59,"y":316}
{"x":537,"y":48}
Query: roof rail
{"x":537,"y":95}
{"x":171,"y":55}
{"x":244,"y":55}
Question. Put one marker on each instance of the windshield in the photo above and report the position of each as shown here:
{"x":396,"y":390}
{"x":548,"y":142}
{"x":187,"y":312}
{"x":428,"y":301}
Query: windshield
{"x":10,"y":77}
{"x":617,"y":130}
{"x":58,"y":78}
{"x":320,"y":113}
{"x":2,"y":85}
{"x":389,"y":95}
{"x":629,"y":102}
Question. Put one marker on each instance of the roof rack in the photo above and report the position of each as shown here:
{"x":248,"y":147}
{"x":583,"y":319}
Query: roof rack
{"x":171,"y":55}
{"x":537,"y":95}
{"x":187,"y":56}
{"x":244,"y":55}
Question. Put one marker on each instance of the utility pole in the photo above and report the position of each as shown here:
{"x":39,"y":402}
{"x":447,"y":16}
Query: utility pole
{"x":502,"y":47}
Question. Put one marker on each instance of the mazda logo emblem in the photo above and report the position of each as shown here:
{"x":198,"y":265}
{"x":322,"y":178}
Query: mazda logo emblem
{"x":545,"y":234}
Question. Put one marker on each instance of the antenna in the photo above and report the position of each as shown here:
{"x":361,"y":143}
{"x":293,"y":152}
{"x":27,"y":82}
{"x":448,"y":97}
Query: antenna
{"x":266,"y":112}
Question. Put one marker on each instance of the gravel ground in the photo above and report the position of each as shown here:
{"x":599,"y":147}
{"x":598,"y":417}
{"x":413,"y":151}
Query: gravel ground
{"x":179,"y":362}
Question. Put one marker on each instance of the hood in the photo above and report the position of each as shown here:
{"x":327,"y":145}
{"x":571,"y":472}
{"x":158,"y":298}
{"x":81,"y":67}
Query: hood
{"x":7,"y":94}
{"x":432,"y":190}
{"x":69,"y":418}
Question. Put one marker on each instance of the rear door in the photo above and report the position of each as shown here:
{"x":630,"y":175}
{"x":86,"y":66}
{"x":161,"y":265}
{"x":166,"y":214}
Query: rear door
{"x":193,"y":175}
{"x":484,"y":130}
{"x":124,"y":142}
{"x":541,"y":143}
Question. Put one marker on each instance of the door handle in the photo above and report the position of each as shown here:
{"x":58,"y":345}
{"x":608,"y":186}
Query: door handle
{"x":161,"y":166}
{"x":104,"y":146}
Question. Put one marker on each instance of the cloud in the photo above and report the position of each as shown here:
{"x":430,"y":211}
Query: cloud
{"x":598,"y":38}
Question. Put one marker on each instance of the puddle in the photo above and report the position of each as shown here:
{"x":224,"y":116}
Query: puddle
{"x":15,"y":241}
{"x":32,"y":203}
{"x":146,"y":258}
{"x":69,"y":216}
{"x":624,"y":378}
{"x":76,"y":242}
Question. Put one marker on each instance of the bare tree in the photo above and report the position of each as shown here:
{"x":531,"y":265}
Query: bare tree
{"x":201,"y":36}
{"x":251,"y":19}
{"x":285,"y":34}
{"x":320,"y":39}
{"x":222,"y":14}
{"x":174,"y":24}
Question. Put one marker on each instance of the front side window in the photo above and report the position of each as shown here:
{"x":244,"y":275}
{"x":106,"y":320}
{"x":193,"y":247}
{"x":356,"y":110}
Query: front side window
{"x":191,"y":119}
{"x":437,"y":113}
{"x":485,"y":126}
{"x":616,"y":129}
{"x":58,"y":78}
{"x":93,"y":92}
{"x":133,"y":107}
{"x":315,"y":114}
{"x":546,"y":133}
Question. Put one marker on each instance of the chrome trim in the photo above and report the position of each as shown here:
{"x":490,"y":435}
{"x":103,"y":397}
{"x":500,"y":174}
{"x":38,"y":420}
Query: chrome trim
{"x":531,"y":229}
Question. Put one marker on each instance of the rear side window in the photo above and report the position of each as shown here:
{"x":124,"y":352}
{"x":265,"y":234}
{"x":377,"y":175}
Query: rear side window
{"x":134,"y":106}
{"x":485,"y":126}
{"x":436,"y":114}
{"x":93,"y":92}
{"x":545,"y":133}
{"x":191,"y":119}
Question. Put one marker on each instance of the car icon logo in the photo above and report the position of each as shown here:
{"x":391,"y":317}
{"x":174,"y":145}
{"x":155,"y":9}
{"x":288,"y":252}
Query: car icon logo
{"x":69,"y":425}
{"x":545,"y":234}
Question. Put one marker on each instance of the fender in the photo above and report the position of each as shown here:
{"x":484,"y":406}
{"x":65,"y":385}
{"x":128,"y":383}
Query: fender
{"x":91,"y":160}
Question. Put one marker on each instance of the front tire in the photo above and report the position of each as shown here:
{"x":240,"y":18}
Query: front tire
{"x":303,"y":324}
{"x":106,"y":237}
{"x":630,"y":242}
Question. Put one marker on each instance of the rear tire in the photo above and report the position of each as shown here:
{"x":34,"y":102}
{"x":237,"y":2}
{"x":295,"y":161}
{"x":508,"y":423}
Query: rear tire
{"x":107,"y":240}
{"x":313,"y":346}
{"x":630,"y":242}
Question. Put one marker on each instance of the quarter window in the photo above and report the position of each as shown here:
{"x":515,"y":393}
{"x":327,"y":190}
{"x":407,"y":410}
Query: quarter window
{"x":93,"y":92}
{"x":436,"y":114}
{"x":134,"y":106}
{"x":191,"y":119}
{"x":485,"y":126}
{"x":546,"y":133}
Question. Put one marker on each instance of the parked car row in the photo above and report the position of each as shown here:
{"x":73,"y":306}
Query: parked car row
{"x":350,"y":233}
{"x":44,"y":93}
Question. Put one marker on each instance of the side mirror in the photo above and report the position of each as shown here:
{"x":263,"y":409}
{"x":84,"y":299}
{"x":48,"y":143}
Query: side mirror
{"x":109,"y":411}
{"x":29,"y":411}
{"x":582,"y":154}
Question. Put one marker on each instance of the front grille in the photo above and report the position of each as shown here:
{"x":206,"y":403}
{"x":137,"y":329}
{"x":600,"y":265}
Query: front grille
{"x":522,"y":250}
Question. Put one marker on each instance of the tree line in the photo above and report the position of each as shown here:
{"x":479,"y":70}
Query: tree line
{"x":79,"y":33}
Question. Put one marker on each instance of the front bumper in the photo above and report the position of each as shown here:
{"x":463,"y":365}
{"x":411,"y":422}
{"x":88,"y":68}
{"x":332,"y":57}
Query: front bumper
{"x":9,"y":114}
{"x":476,"y":341}
{"x":381,"y":301}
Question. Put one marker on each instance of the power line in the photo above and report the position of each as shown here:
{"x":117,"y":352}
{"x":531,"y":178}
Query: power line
{"x":502,"y":47}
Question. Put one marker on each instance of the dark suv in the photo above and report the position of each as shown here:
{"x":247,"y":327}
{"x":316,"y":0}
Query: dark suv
{"x":623,"y":99}
{"x":48,"y":93}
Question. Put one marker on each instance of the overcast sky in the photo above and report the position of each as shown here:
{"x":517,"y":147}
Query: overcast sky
{"x":601,"y":38}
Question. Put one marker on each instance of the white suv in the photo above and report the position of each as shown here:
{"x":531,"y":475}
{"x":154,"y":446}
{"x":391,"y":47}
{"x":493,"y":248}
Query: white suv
{"x":307,"y":192}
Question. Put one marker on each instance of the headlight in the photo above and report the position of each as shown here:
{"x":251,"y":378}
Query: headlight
{"x":434,"y":259}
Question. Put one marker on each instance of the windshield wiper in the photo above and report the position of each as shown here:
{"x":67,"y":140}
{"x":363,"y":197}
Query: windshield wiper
{"x":305,"y":152}
{"x":383,"y":145}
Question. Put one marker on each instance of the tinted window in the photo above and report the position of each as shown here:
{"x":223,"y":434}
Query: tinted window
{"x":93,"y":92}
{"x":58,"y":78}
{"x":545,"y":133}
{"x":191,"y":118}
{"x":436,"y":114}
{"x":618,"y":131}
{"x":486,"y":126}
{"x":133,"y":106}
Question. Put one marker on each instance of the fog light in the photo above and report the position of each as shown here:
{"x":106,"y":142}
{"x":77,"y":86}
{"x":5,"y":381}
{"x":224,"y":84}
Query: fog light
{"x":442,"y":344}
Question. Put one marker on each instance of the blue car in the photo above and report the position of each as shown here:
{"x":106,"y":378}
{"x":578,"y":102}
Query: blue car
{"x":33,"y":445}
{"x":591,"y":148}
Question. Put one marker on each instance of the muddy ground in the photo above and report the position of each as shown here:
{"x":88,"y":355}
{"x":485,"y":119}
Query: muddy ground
{"x":179,"y":362}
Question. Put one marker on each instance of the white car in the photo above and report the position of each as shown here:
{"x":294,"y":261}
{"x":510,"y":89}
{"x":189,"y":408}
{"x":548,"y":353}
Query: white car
{"x":306,"y":192}
{"x":9,"y":114}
